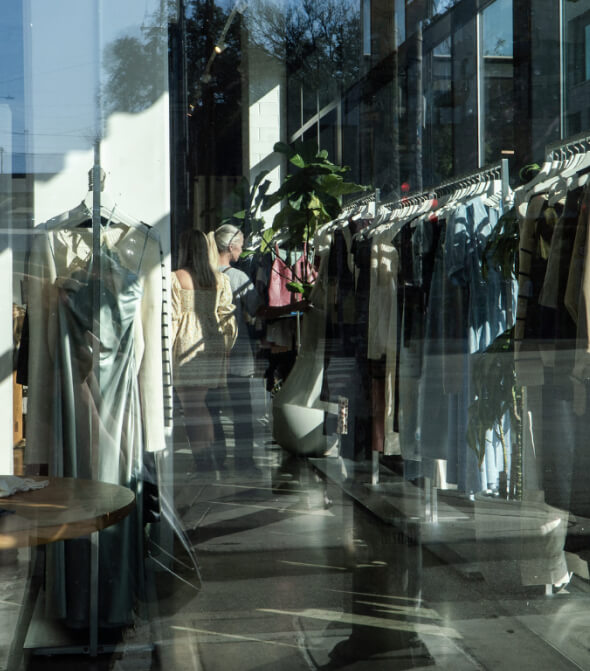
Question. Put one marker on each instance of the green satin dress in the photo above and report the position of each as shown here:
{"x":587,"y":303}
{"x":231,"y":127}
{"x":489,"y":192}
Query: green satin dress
{"x":98,"y":406}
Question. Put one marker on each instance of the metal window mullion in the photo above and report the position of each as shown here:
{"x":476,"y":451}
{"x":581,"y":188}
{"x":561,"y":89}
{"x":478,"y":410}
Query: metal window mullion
{"x":96,"y":292}
{"x":480,"y":88}
{"x":95,"y":430}
{"x":366,"y":27}
{"x":562,"y":70}
{"x":339,"y":133}
{"x":317,"y":111}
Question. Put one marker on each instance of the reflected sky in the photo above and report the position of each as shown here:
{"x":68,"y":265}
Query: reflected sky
{"x":497,"y":29}
{"x":63,"y":85}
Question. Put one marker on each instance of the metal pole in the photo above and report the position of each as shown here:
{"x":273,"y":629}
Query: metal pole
{"x":419,"y":108}
{"x":505,"y":176}
{"x":375,"y":468}
{"x":96,"y":291}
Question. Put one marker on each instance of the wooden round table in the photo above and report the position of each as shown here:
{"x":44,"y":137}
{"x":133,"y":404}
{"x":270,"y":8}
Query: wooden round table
{"x":66,"y":508}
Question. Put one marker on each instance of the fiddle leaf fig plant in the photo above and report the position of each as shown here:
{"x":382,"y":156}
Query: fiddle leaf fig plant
{"x":311,"y":195}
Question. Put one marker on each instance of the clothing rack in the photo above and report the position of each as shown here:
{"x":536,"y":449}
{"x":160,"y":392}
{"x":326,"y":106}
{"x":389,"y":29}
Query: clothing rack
{"x":447,"y":187}
{"x":362,"y":200}
{"x":579,"y":144}
{"x":559,"y":154}
{"x":495,"y":172}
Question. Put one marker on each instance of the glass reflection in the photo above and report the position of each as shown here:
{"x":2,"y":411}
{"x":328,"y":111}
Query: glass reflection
{"x":497,"y":78}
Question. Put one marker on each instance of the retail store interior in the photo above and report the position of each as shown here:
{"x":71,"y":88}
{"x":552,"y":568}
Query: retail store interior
{"x":295,"y":368}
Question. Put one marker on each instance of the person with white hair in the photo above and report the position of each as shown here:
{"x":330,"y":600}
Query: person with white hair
{"x":229,"y":241}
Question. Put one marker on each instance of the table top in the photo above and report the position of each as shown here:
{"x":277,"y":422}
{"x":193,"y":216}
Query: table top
{"x":66,"y":508}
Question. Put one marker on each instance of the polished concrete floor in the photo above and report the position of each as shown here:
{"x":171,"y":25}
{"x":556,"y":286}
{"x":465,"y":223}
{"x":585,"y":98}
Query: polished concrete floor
{"x":307,"y":566}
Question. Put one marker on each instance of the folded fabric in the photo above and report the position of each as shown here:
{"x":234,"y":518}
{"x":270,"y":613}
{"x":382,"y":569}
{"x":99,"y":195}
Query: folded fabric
{"x":11,"y":484}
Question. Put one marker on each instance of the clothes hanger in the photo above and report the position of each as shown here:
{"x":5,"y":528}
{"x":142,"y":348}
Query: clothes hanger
{"x":367,"y":212}
{"x":492,"y":193}
{"x":559,"y":187}
{"x":110,"y":212}
{"x":575,"y":154}
{"x":381,"y":218}
{"x":535,"y":186}
{"x":538,"y":186}
{"x":582,"y":163}
{"x":454,"y":199}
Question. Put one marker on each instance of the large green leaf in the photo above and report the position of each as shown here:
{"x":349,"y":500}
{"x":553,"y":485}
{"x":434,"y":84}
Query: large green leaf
{"x":296,"y":201}
{"x":331,"y":204}
{"x":282,"y":218}
{"x":308,"y":149}
{"x":297,"y":161}
{"x":267,"y":237}
{"x":292,"y":220}
{"x":336,"y":186}
{"x":282,"y":148}
{"x":272,"y":199}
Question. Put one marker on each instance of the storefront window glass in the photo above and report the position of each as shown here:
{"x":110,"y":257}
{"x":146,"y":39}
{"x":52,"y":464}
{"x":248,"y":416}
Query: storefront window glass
{"x":577,"y":31}
{"x":498,"y":79}
{"x":439,"y":114}
{"x":294,"y":334}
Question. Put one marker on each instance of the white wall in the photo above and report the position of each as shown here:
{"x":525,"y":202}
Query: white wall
{"x":267,"y":81}
{"x":69,"y":44}
{"x":6,"y":419}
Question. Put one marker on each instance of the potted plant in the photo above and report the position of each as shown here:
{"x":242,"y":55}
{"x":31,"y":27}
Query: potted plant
{"x":311,"y":195}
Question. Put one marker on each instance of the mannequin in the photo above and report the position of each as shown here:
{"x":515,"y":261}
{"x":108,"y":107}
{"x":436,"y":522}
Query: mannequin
{"x":85,"y":415}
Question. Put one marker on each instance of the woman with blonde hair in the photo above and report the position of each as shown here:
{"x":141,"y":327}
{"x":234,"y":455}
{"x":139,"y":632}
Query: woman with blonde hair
{"x":203,"y":330}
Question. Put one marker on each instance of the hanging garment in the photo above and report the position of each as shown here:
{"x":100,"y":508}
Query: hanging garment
{"x":303,"y":271}
{"x":582,"y":365}
{"x":59,"y":254}
{"x":280,"y":276}
{"x":86,"y":419}
{"x":417,"y":243}
{"x":465,"y":314}
{"x":383,"y":332}
{"x":531,"y":271}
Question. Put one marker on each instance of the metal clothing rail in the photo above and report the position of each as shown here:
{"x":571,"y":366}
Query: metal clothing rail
{"x":496,"y":171}
{"x":578,"y":144}
{"x":362,"y":200}
{"x":447,"y":187}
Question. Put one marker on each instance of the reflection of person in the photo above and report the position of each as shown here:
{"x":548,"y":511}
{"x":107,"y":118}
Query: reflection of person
{"x":229,"y":241}
{"x":203,"y":332}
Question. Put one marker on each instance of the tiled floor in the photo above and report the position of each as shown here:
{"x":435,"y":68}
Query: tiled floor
{"x":301,"y":573}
